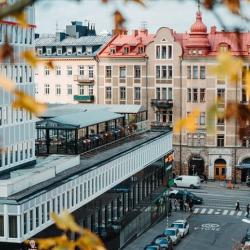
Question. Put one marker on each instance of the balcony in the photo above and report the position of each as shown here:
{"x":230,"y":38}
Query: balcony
{"x":166,"y":126}
{"x":162,"y":103}
{"x":84,"y":79}
{"x":84,"y":98}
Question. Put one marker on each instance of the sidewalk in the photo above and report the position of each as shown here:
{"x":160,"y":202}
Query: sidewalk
{"x":220,"y":184}
{"x":148,"y":236}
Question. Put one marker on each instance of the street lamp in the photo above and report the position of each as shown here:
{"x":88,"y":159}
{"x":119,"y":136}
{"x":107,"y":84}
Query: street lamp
{"x":193,"y":166}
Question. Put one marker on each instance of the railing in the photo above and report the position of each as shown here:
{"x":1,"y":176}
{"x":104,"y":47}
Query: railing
{"x":84,"y":98}
{"x":162,"y":103}
{"x":161,"y":125}
{"x":84,"y":78}
{"x":244,"y":102}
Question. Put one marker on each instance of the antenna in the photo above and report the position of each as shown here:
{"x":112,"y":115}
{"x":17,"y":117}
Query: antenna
{"x":144,"y":25}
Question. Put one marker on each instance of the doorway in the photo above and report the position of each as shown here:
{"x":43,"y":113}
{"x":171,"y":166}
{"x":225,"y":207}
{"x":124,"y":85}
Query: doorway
{"x":220,"y":169}
{"x":196,"y":166}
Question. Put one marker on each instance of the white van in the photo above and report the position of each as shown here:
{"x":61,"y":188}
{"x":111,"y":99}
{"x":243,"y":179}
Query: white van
{"x":187,"y":181}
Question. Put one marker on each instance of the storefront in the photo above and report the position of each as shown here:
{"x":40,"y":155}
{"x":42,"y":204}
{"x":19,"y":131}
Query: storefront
{"x":196,"y":166}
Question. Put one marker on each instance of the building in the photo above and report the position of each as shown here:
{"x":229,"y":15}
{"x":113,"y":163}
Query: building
{"x":17,"y":126}
{"x":73,"y":54}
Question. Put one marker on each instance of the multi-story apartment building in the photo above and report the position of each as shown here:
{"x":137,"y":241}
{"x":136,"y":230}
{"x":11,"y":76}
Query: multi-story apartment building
{"x":73,"y":54}
{"x":17,"y":126}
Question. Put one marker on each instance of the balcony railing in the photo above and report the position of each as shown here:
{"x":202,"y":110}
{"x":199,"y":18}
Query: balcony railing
{"x":84,"y":79}
{"x":161,"y":125}
{"x":162,"y":103}
{"x":244,"y":102}
{"x":84,"y":98}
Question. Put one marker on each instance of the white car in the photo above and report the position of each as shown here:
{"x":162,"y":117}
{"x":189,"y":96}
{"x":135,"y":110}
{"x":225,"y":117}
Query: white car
{"x":172,"y":193}
{"x":182,"y":225}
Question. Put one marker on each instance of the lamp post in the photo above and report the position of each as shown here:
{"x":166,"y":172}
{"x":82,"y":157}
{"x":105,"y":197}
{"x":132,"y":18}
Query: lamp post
{"x":193,"y":166}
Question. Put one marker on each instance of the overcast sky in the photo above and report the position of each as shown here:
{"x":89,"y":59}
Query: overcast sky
{"x":176,"y":14}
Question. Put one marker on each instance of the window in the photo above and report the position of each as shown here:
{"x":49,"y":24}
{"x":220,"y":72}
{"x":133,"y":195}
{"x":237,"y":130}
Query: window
{"x":244,"y":142}
{"x":202,"y":140}
{"x":202,"y":95}
{"x":169,"y":51}
{"x":43,"y":213}
{"x":122,"y":72}
{"x":81,"y":70}
{"x":220,"y":140}
{"x":164,"y":93}
{"x":79,"y":51}
{"x":108,"y":93}
{"x":220,"y":121}
{"x":170,"y":116}
{"x":48,"y":51}
{"x":189,"y":95}
{"x":69,"y":51}
{"x":69,"y":89}
{"x":158,"y":71}
{"x":195,"y":72}
{"x":48,"y":210}
{"x":12,"y":226}
{"x":122,"y":93}
{"x":195,"y":95}
{"x":243,"y":95}
{"x":46,"y":89}
{"x":223,"y":48}
{"x":24,"y":223}
{"x":194,"y":52}
{"x":195,"y":140}
{"x":163,"y":52}
{"x":31,"y":220}
{"x":202,"y":72}
{"x":90,"y":89}
{"x":137,"y":69}
{"x":170,"y":94}
{"x":47,"y":71}
{"x":158,"y":53}
{"x":158,"y":93}
{"x":59,"y":52}
{"x":126,"y":50}
{"x":189,"y":52}
{"x":108,"y":72}
{"x":81,"y":90}
{"x":69,"y":70}
{"x":58,"y":89}
{"x":200,"y":52}
{"x":39,"y":52}
{"x":170,"y":72}
{"x":91,"y":72}
{"x":137,"y":93}
{"x":58,"y":70}
{"x":221,"y":95}
{"x":140,"y":50}
{"x":189,"y":72}
{"x":112,"y":50}
{"x":164,"y":71}
{"x":202,"y":118}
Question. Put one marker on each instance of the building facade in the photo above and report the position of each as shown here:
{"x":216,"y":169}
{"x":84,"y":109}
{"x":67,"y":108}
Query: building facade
{"x":73,"y":54}
{"x":17,"y":126}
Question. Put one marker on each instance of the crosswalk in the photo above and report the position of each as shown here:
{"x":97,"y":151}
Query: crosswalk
{"x":215,"y":211}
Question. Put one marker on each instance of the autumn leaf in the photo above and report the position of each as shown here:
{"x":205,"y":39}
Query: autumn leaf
{"x":247,"y":86}
{"x":137,"y":1}
{"x":104,"y":1}
{"x":6,"y":84}
{"x":232,"y":5}
{"x":27,"y":102}
{"x":50,"y":64}
{"x":119,"y":20}
{"x":189,"y":122}
{"x":65,"y":221}
{"x":30,"y":57}
{"x":7,"y":51}
{"x":21,"y":17}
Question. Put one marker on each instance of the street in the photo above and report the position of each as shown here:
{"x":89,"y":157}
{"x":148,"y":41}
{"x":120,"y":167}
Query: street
{"x":213,"y":225}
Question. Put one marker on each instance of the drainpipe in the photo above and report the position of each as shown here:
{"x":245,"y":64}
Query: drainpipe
{"x":146,"y":60}
{"x":181,"y":114}
{"x":97,"y":79}
{"x":235,"y":135}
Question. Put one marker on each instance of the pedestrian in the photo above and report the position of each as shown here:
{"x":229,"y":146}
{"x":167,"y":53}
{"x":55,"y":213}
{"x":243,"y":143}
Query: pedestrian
{"x":170,"y":208}
{"x":205,"y":178}
{"x":248,"y":208}
{"x":190,"y":203}
{"x":175,"y":204}
{"x":237,"y":208}
{"x":185,"y":205}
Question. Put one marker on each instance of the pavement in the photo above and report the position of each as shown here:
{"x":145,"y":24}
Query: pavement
{"x":223,"y":185}
{"x":148,"y":236}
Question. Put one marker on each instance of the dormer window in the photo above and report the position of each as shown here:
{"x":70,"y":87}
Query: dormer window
{"x":112,"y":50}
{"x":69,"y":51}
{"x":39,"y":51}
{"x":79,"y":51}
{"x":59,"y":52}
{"x":194,"y":52}
{"x":200,"y":52}
{"x":223,"y":47}
{"x":126,"y":50}
{"x":48,"y":51}
{"x":140,"y":50}
{"x":189,"y":52}
{"x":89,"y":50}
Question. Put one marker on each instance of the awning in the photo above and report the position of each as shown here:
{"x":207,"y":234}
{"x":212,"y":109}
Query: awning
{"x":243,"y":166}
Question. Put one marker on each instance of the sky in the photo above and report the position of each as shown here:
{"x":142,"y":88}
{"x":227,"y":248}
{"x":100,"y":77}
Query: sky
{"x":178,"y":15}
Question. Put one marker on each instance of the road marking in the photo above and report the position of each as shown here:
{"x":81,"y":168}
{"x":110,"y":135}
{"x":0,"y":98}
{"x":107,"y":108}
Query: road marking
{"x":203,"y":210}
{"x":239,"y":213}
{"x":232,"y":213}
{"x":210,"y":211}
{"x":225,"y":212}
{"x":196,"y":210}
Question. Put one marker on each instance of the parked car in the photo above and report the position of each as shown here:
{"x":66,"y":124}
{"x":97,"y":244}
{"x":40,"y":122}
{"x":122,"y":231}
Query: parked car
{"x":172,"y":192}
{"x":174,"y":234}
{"x":152,"y":247}
{"x":182,"y":225}
{"x":164,"y":241}
{"x":116,"y":224}
{"x":189,"y":196}
{"x":187,"y":181}
{"x":105,"y":232}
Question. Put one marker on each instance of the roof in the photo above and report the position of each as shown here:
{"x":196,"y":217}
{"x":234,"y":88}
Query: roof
{"x":55,"y":110}
{"x":85,"y":119}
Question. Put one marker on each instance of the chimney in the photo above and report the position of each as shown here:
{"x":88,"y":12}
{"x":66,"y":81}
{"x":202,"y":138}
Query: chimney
{"x":124,"y":32}
{"x":143,"y":32}
{"x":134,"y":33}
{"x":213,"y":30}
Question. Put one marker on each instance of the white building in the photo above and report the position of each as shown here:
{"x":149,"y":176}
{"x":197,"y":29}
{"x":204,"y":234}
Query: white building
{"x":17,"y":126}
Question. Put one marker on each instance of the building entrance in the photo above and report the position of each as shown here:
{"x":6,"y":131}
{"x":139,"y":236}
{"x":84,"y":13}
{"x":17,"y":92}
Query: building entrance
{"x":220,"y":169}
{"x":196,"y":166}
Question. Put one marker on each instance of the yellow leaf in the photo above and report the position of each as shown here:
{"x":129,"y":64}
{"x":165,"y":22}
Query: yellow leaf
{"x":247,"y":86}
{"x":232,"y":5}
{"x":27,"y":102}
{"x":46,"y":243}
{"x":119,"y":20}
{"x":6,"y":84}
{"x":30,"y":57}
{"x":21,"y":17}
{"x":104,"y":1}
{"x":137,"y":1}
{"x":65,"y":221}
{"x":50,"y":64}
